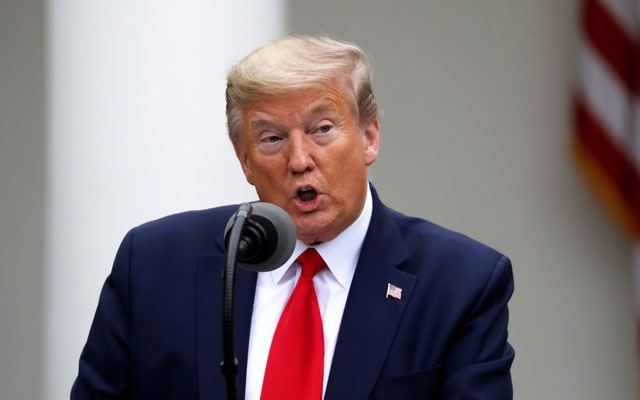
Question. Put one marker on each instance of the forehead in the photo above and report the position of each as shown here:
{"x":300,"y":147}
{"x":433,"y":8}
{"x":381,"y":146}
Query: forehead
{"x":304,"y":103}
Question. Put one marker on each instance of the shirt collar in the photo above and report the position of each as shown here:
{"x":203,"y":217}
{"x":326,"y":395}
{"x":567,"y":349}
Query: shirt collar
{"x":341,"y":254}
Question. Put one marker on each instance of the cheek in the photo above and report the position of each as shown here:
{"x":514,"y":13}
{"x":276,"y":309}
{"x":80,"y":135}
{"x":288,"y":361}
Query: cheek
{"x":264,"y":172}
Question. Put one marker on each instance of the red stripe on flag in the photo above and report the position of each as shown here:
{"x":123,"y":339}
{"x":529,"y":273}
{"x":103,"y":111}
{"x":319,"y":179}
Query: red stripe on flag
{"x":609,"y":38}
{"x":612,"y":161}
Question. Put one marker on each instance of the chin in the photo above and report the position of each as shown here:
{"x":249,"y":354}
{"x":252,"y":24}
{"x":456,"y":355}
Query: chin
{"x":309,"y":236}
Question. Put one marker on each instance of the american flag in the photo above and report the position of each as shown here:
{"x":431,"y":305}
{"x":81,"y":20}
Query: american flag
{"x":607,"y":109}
{"x":394,"y":291}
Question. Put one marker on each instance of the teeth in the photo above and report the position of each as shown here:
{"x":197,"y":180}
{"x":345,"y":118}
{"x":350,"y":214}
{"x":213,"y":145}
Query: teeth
{"x":307,"y":194}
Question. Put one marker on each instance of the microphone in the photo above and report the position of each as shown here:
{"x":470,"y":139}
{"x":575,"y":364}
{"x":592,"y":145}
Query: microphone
{"x":259,"y":237}
{"x":267,"y":238}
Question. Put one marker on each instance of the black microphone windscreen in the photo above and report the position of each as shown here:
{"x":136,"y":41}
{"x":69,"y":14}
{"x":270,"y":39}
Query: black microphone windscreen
{"x":271,"y":236}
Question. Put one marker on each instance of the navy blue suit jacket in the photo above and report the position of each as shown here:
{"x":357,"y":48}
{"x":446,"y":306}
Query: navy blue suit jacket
{"x":157,"y":329}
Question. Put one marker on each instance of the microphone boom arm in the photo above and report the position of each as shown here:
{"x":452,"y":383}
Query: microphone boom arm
{"x":229,"y":364}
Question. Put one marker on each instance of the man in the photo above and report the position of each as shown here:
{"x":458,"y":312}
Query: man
{"x":408,"y":309}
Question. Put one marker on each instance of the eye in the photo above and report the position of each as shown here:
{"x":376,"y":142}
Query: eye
{"x":271,"y":139}
{"x":324,"y":131}
{"x":324,"y":128}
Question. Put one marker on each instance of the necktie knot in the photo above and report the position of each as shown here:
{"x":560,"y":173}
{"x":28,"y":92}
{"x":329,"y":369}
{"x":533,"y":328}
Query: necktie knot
{"x":311,"y":262}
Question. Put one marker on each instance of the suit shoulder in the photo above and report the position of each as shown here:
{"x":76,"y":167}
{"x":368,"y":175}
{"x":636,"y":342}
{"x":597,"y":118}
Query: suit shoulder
{"x":450,"y":263}
{"x":185,"y":226}
{"x":193,"y":217}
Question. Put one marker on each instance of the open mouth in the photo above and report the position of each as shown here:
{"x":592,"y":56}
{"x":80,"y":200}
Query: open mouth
{"x":307,"y":194}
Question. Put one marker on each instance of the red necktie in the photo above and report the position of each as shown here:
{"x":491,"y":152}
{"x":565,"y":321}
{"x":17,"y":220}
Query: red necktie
{"x":296,"y":359}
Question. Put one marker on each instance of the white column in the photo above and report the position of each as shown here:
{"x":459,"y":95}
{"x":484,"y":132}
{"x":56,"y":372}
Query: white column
{"x":136,"y":130}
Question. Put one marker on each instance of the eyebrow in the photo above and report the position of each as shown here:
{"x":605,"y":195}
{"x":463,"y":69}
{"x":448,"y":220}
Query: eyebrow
{"x":262,"y":119}
{"x":323,"y":107}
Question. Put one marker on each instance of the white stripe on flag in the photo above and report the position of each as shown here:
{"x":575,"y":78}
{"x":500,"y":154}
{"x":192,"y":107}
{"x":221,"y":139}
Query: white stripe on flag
{"x":605,"y":95}
{"x":625,"y":12}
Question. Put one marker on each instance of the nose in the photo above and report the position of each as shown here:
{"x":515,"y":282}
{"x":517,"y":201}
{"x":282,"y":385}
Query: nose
{"x":300,"y":157}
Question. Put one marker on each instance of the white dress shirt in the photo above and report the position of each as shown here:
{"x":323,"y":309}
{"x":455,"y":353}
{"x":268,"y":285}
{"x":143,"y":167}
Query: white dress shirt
{"x":332,"y":284}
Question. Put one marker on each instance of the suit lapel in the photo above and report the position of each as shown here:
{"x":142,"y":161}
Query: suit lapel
{"x":370,"y":318}
{"x":209,"y":323}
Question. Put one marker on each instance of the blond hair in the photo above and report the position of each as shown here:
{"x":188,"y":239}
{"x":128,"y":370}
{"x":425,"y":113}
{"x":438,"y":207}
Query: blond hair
{"x":295,"y":63}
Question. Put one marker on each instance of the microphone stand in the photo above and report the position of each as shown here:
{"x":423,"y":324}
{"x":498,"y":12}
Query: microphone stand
{"x":229,"y":364}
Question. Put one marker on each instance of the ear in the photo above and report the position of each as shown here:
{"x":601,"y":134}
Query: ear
{"x":243,"y":157}
{"x":371,"y":141}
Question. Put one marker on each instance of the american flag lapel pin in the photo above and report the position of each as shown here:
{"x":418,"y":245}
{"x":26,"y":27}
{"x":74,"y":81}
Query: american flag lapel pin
{"x":394,"y":291}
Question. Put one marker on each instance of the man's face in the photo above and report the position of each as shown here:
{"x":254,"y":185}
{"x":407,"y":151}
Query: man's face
{"x":305,"y":152}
